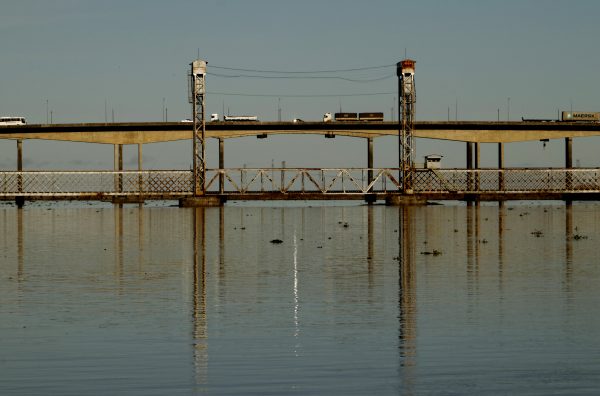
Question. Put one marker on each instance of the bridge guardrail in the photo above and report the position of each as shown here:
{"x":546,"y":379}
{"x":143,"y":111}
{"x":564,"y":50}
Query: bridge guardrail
{"x":233,"y":181}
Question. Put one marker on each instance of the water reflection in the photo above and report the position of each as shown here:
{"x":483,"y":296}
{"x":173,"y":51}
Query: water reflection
{"x":20,"y":245}
{"x":344,"y":282}
{"x":199,"y":320}
{"x":406,"y":286}
{"x":569,"y":245}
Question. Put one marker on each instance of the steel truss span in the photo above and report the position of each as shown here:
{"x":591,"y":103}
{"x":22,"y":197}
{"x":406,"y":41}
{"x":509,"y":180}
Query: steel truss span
{"x":313,"y":182}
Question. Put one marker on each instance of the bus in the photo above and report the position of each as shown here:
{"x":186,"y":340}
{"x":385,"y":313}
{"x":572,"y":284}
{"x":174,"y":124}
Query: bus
{"x":12,"y":121}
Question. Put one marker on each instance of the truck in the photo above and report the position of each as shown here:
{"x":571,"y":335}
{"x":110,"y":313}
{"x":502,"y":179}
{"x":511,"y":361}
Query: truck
{"x":577,"y":116}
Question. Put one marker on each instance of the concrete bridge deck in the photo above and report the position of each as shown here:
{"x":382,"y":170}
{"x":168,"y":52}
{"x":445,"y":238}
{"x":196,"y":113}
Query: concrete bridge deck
{"x":154,"y":132}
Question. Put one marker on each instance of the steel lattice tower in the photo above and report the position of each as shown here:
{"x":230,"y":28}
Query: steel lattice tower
{"x":405,"y":71}
{"x":197,"y":92}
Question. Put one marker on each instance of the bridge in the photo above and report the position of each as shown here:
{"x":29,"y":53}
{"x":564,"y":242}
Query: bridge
{"x":203,"y":186}
{"x":155,"y":132}
{"x":369,"y":184}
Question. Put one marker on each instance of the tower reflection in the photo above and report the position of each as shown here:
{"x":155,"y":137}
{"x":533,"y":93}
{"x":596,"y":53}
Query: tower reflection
{"x":407,"y":303}
{"x":199,"y":297}
{"x":569,"y":245}
{"x":20,"y":245}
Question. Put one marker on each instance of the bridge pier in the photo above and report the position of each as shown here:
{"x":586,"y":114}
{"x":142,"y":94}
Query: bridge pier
{"x":221,"y":164}
{"x":369,"y":199}
{"x":404,"y":200}
{"x":469,"y":165}
{"x":201,"y":201}
{"x":501,"y":166}
{"x":20,"y":201}
{"x":569,"y":163}
{"x":568,"y":152}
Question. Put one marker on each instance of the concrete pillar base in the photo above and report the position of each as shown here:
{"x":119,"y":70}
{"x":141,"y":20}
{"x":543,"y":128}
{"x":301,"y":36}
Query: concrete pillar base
{"x":370,"y":198}
{"x":402,"y":200}
{"x":127,"y":200}
{"x":195,"y":202}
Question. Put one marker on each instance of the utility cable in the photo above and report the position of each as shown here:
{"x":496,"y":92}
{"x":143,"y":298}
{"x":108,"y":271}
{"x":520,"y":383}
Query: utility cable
{"x":301,"y":72}
{"x":301,"y":95}
{"x":300,"y":77}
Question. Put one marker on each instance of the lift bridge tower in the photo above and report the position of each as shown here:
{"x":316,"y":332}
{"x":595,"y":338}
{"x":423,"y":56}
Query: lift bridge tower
{"x":405,"y":70}
{"x":197,"y":92}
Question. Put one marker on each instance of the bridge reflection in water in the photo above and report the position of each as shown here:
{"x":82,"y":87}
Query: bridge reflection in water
{"x":413,"y":224}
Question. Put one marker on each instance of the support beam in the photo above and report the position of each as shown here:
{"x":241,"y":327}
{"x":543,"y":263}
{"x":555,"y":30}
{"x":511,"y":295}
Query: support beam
{"x":120,"y":157}
{"x":370,"y":160}
{"x":118,"y":166}
{"x":20,"y":201}
{"x":469,"y":165}
{"x":476,"y":165}
{"x":469,"y":155}
{"x":198,"y":91}
{"x":569,"y":162}
{"x":568,"y":153}
{"x":501,"y":166}
{"x":140,"y":179}
{"x":221,"y":164}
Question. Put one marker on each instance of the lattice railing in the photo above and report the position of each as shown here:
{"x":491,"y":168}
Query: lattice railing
{"x":297,"y":180}
{"x":65,"y":183}
{"x":507,"y":180}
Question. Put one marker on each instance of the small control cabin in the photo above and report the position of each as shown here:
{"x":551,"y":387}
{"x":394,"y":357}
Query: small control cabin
{"x":433,"y":161}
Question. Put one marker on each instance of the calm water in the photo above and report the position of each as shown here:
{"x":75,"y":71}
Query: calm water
{"x":167,"y":301}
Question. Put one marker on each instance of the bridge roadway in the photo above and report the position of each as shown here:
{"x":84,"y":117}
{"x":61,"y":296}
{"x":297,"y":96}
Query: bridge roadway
{"x":154,"y":132}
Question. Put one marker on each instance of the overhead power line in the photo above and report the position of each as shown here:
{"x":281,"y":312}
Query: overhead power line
{"x":301,"y":71}
{"x":300,"y":77}
{"x":301,"y":95}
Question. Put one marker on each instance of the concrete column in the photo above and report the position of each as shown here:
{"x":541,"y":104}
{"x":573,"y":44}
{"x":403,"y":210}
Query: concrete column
{"x":501,"y":166}
{"x":221,"y":164}
{"x":369,"y":198}
{"x":370,"y":159}
{"x":116,"y":157}
{"x":118,"y":166}
{"x":500,"y":155}
{"x":568,"y":153}
{"x":120,"y":157}
{"x":20,"y":201}
{"x":569,"y":162}
{"x":476,"y":165}
{"x":469,"y":155}
{"x":469,"y":165}
{"x":140,"y":178}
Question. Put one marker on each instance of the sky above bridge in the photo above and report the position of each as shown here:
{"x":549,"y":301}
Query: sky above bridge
{"x":91,"y":61}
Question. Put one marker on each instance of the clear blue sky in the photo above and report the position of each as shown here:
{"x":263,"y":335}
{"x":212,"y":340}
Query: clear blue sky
{"x":88,"y":59}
